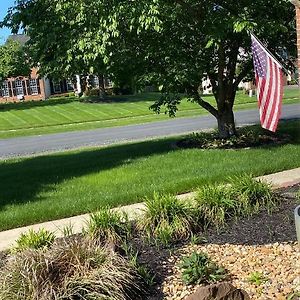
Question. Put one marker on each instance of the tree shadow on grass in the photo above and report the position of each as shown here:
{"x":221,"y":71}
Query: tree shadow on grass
{"x":28,"y":180}
{"x":21,"y":180}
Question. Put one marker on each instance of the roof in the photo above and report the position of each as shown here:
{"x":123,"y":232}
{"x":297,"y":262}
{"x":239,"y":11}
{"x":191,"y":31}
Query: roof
{"x":21,"y":38}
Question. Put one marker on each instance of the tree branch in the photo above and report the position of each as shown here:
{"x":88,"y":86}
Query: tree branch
{"x":206,"y":105}
{"x":213,"y":81}
{"x":222,"y":66}
{"x":243,"y":73}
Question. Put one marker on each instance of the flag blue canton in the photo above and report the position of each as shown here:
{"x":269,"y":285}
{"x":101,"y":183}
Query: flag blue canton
{"x":260,"y":59}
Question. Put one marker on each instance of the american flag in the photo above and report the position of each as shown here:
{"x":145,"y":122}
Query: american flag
{"x":269,"y":83}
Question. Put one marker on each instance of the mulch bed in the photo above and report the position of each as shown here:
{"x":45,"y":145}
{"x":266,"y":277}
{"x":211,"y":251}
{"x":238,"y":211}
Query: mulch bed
{"x":244,"y":140}
{"x":264,"y":243}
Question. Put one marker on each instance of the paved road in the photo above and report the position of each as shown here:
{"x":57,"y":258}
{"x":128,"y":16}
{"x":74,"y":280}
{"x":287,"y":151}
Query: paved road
{"x":71,"y":140}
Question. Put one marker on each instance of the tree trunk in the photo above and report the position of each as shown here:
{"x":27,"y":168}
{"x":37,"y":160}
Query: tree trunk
{"x":226,"y":124}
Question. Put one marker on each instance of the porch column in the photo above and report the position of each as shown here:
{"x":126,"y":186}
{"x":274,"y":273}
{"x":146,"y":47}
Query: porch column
{"x":78,"y":85}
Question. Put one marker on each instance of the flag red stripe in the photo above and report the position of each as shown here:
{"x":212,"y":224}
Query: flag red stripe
{"x":267,"y":93}
{"x":278,"y":114}
{"x":274,"y":102}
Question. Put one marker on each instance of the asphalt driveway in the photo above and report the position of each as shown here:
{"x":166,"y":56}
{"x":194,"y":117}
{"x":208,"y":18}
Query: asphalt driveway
{"x":24,"y":146}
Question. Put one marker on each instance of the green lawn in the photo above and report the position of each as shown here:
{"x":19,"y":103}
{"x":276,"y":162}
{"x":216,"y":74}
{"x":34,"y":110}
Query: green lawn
{"x":60,"y":185}
{"x":68,"y":114}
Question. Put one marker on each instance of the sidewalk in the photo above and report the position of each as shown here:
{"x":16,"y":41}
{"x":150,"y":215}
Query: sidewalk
{"x":7,"y":238}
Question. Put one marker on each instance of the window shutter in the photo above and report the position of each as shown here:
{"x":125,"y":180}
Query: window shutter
{"x":28,"y":87}
{"x":24,"y":88}
{"x":38,"y":86}
{"x":62,"y":87}
{"x":10,"y":89}
{"x":13,"y":83}
{"x":51,"y":87}
{"x":65,"y":86}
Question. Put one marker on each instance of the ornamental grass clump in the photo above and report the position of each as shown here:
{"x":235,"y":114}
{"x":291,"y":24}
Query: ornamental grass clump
{"x":71,"y":269}
{"x":215,"y":205}
{"x":199,"y":268}
{"x":34,"y":240}
{"x":252,"y":195}
{"x":167,"y":219}
{"x":108,"y":226}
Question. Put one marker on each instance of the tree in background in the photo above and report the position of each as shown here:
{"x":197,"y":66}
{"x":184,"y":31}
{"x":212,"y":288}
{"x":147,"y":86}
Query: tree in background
{"x":172,"y":44}
{"x":13,"y":60}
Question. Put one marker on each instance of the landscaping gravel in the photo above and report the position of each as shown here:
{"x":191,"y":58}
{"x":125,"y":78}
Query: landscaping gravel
{"x":265,"y":243}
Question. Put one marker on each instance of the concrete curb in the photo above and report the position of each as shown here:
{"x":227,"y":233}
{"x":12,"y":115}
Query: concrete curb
{"x":8,"y":238}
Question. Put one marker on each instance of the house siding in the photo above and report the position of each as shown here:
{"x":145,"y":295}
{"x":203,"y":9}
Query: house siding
{"x":27,"y":96}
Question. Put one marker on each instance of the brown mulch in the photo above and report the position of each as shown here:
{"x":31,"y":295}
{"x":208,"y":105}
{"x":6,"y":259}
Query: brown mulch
{"x":212,"y":141}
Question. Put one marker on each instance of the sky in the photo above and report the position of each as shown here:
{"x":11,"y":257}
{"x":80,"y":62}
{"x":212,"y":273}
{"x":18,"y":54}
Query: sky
{"x":4,"y":5}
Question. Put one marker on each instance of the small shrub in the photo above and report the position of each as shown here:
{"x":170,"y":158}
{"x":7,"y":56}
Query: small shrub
{"x":215,"y":205}
{"x":167,"y":219}
{"x":109,"y":226}
{"x":252,"y":195}
{"x":34,"y":240}
{"x":198,"y":268}
{"x":257,"y":278}
{"x":74,"y":269}
{"x":92,"y":92}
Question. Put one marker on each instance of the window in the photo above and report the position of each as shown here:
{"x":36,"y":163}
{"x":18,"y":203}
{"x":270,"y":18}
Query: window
{"x":5,"y":89}
{"x":33,"y":85}
{"x":95,"y":81}
{"x":108,"y":83}
{"x":70,"y":86}
{"x":19,"y":87}
{"x":56,"y":87}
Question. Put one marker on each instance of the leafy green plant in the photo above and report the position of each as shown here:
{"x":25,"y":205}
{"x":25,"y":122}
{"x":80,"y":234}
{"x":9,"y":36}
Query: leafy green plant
{"x":68,"y":230}
{"x":109,"y":226}
{"x":215,"y":205}
{"x":167,"y":219}
{"x":146,"y":274}
{"x":198,"y":268}
{"x":72,"y":269}
{"x":257,"y":278}
{"x":34,"y":240}
{"x":252,"y":194}
{"x":141,"y":269}
{"x":197,"y":239}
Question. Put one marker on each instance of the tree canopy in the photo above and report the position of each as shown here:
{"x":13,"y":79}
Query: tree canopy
{"x":13,"y":60}
{"x":172,"y":44}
